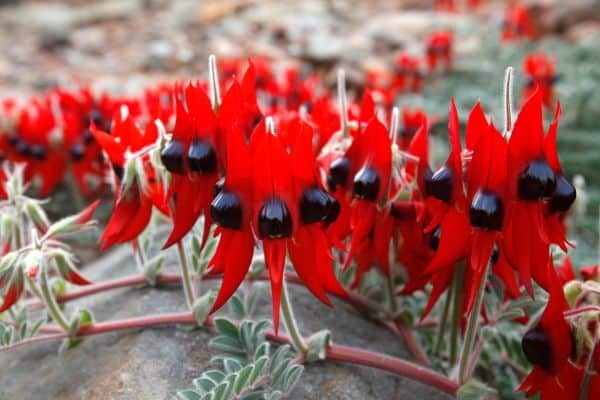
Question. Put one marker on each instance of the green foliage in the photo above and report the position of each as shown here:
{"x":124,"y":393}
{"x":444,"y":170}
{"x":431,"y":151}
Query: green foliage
{"x":248,"y":368}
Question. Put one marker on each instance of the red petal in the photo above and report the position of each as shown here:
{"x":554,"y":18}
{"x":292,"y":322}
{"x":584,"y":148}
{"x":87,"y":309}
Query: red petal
{"x":233,"y":256}
{"x":275,"y":260}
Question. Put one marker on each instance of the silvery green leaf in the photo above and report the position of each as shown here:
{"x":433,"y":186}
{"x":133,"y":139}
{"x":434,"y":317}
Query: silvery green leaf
{"x":475,"y":390}
{"x":292,"y":377}
{"x":278,"y":371}
{"x":275,"y":395}
{"x":207,"y":396}
{"x":152,"y":268}
{"x":23,"y":330}
{"x":237,"y":307}
{"x":242,"y":378}
{"x":279,"y":357}
{"x":7,"y":335}
{"x":259,"y":367}
{"x":317,"y":345}
{"x":219,"y":392}
{"x":36,"y":327}
{"x":188,"y":395}
{"x":226,"y":327}
{"x":68,"y":344}
{"x":215,"y":375}
{"x":250,"y":301}
{"x":255,"y":395}
{"x":203,"y":306}
{"x":204,"y":384}
{"x":227,"y":344}
{"x":262,"y":350}
{"x":245,"y":336}
{"x":258,"y":334}
{"x":231,"y":366}
{"x":511,"y":315}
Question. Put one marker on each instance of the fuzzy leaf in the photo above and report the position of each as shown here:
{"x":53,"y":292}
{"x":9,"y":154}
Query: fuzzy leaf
{"x":203,"y":305}
{"x":317,"y":345}
{"x":242,"y":378}
{"x":292,"y":377}
{"x":227,"y":344}
{"x":475,"y":390}
{"x":259,"y":367}
{"x":225,"y":327}
{"x":188,"y":395}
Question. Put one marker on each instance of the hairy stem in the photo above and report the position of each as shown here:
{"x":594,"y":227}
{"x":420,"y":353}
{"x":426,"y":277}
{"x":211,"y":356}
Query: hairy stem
{"x":456,"y":310}
{"x":334,"y":352}
{"x":290,"y":321}
{"x":442,"y":325}
{"x":472,"y":324}
{"x":50,"y":302}
{"x":186,"y":277}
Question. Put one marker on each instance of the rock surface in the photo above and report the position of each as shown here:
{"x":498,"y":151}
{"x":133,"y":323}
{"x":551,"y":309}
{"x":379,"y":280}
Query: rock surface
{"x":155,"y":363}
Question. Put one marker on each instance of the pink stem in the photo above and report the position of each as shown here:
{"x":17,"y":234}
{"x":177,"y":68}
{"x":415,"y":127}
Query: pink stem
{"x":334,"y":352}
{"x":581,"y":310}
{"x":362,"y":303}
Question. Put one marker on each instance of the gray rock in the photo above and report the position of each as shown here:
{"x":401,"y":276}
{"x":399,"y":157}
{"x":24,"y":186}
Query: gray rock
{"x":158,"y":55}
{"x":156,"y":363}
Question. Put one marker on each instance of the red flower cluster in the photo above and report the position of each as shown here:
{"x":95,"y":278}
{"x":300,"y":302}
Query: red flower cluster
{"x":51,"y":134}
{"x":540,"y":72}
{"x":517,"y":23}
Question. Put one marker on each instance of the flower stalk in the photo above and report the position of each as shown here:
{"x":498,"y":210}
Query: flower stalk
{"x":459,"y":274}
{"x":186,"y":277}
{"x":290,"y":320}
{"x":50,"y":302}
{"x":472,"y":324}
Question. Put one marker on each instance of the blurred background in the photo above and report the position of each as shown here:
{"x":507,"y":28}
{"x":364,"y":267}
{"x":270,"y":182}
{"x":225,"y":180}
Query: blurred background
{"x":122,"y":46}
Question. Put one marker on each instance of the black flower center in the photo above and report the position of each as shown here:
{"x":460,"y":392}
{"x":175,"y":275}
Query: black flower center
{"x":366,"y":184}
{"x":274,"y":220}
{"x":563,"y":197}
{"x":537,"y":347}
{"x":486,"y":211}
{"x":172,"y":157}
{"x":317,"y":205}
{"x":536,"y":181}
{"x":434,"y":239}
{"x":202,"y":157}
{"x":440,"y":183}
{"x":77,"y":152}
{"x":226,"y":210}
{"x":38,"y":151}
{"x":338,"y":173}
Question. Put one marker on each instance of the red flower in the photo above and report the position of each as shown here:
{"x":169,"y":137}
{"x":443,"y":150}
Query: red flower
{"x":134,"y":196}
{"x":408,"y":74}
{"x":370,"y":160}
{"x":531,"y":181}
{"x":590,"y":273}
{"x":193,"y":158}
{"x":232,"y":210}
{"x":548,"y":347}
{"x":439,"y":50}
{"x":411,"y":122}
{"x":517,"y":24}
{"x":276,"y":194}
{"x":445,"y":5}
{"x":539,"y":72}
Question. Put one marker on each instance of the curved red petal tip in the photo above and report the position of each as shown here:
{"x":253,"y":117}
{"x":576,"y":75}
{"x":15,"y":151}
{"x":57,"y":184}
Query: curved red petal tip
{"x":85,"y":215}
{"x":476,"y":124}
{"x":454,"y":159}
{"x":550,"y":149}
{"x":76,"y":278}
{"x":233,"y":256}
{"x":12,"y":295}
{"x":275,"y":259}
